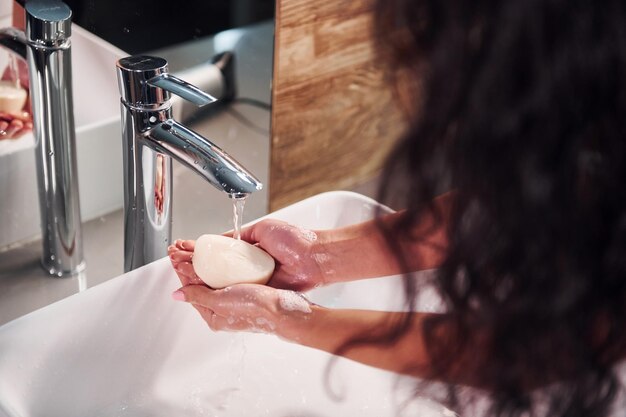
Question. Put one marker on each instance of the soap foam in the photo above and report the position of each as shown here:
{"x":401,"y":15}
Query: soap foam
{"x":308,"y":235}
{"x":293,"y":301}
{"x":321,"y":258}
{"x":265,"y":324}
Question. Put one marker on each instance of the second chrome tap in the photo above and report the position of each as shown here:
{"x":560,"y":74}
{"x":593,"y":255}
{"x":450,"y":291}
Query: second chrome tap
{"x":150,"y":139}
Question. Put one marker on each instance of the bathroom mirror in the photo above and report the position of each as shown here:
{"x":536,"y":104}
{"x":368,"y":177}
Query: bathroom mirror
{"x":146,"y":25}
{"x":188,"y":34}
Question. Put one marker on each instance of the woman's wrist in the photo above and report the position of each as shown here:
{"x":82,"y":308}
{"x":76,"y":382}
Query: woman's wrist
{"x":353,"y":252}
{"x":296,"y":316}
{"x":324,"y":252}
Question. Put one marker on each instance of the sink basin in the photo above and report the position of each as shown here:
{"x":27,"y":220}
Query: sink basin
{"x":125,"y":348}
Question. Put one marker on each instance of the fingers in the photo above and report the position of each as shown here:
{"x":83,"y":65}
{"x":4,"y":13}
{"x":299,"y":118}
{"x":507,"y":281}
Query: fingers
{"x":214,"y":321}
{"x":198,"y":295}
{"x":26,"y":128}
{"x":253,"y":234}
{"x":4,"y":125}
{"x":289,"y":283}
{"x":181,"y":261}
{"x":179,"y":255}
{"x":24,"y":116}
{"x":208,"y":316}
{"x":187,"y":274}
{"x":247,"y":234}
{"x":188,"y":245}
{"x":181,"y":250}
{"x":14,"y":125}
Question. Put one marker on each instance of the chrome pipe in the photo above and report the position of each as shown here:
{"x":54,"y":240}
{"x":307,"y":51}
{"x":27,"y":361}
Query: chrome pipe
{"x":47,"y":49}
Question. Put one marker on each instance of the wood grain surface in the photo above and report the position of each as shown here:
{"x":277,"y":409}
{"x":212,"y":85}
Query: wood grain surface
{"x":333,"y":117}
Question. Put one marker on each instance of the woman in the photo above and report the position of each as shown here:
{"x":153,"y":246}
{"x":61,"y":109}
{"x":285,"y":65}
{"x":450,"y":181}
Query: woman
{"x":517,"y":107}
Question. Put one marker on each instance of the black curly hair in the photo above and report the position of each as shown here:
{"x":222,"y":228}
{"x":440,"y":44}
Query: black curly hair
{"x":519,"y":107}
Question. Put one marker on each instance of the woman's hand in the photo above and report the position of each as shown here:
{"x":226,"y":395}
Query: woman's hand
{"x":296,"y":268}
{"x":246,"y":307}
{"x":15,"y":124}
{"x":241,"y":307}
{"x":298,"y":254}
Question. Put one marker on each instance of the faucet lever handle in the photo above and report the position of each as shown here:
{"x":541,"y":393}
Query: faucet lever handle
{"x":144,"y":81}
{"x":181,"y":88}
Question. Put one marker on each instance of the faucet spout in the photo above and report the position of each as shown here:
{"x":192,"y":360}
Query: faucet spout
{"x":202,"y":156}
{"x":14,"y":40}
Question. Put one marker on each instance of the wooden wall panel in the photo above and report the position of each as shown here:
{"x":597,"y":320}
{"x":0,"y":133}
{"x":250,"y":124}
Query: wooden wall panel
{"x":333,"y":119}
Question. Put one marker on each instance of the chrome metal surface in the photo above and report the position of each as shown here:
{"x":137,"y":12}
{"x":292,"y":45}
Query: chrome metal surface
{"x":48,"y":21}
{"x":182,"y":89}
{"x":14,"y":40}
{"x":50,"y":77}
{"x":151,"y":138}
{"x":133,"y":75}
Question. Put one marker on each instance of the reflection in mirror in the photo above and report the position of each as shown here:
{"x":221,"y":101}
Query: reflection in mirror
{"x":143,"y":25}
{"x":189,"y":36}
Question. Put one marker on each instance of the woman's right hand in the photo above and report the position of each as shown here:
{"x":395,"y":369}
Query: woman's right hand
{"x":15,"y":125}
{"x":298,"y":253}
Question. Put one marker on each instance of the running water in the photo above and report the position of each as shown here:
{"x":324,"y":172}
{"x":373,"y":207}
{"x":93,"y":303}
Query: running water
{"x":14,"y":69}
{"x":239,"y":200}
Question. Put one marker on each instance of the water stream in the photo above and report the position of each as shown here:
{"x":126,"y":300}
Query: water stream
{"x":239,"y":200}
{"x":238,"y":348}
{"x":14,"y":69}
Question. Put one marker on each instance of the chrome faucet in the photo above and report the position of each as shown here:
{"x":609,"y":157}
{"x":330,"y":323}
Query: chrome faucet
{"x":150,"y":139}
{"x":46,"y":47}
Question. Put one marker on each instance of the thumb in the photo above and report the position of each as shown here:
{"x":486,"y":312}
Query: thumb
{"x":195,"y":294}
{"x":256,"y":232}
{"x":246,"y":234}
{"x":250,"y":234}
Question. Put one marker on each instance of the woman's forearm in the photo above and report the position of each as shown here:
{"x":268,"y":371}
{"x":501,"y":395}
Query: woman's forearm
{"x":361,"y":250}
{"x":330,"y":329}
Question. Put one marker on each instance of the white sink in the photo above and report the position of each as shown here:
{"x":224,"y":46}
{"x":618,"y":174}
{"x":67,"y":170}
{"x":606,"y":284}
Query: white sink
{"x":125,"y":348}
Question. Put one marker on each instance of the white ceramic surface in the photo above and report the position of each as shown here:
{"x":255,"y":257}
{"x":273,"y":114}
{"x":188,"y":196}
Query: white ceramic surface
{"x":98,"y":133}
{"x":124,"y":348}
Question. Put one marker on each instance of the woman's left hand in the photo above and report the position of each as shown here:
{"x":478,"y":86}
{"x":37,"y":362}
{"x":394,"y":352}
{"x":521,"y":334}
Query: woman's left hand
{"x":241,"y":307}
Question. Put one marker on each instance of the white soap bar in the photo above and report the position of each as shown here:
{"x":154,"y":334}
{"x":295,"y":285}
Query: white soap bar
{"x":12,"y":98}
{"x":221,"y":261}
